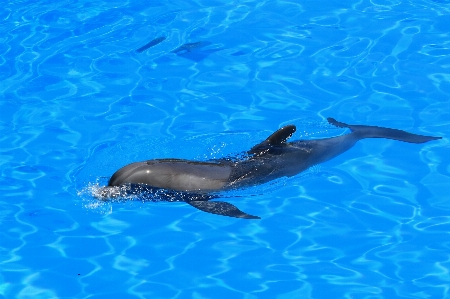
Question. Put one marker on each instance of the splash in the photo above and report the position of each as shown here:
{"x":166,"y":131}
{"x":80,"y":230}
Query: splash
{"x":89,"y":199}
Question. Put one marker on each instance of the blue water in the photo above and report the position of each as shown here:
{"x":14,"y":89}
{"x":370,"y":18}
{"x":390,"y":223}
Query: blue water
{"x":77,"y":102}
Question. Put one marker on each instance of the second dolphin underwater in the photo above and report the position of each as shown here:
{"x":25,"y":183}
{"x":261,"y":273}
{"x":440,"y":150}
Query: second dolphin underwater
{"x":271,"y":159}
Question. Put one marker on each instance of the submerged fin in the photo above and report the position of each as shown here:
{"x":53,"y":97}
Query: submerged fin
{"x":151,"y":44}
{"x":220,"y":208}
{"x":279,"y":137}
{"x":380,"y":132}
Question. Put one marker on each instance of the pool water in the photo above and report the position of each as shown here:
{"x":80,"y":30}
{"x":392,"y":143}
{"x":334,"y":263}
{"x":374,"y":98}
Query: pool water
{"x":87,"y":87}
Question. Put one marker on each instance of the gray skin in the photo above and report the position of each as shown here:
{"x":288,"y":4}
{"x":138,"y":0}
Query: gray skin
{"x":269,"y":160}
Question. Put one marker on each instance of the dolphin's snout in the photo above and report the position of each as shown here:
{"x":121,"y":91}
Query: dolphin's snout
{"x":107,"y":193}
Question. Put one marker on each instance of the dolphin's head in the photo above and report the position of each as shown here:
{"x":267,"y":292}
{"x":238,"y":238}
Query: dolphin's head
{"x":128,"y":174}
{"x":174,"y":174}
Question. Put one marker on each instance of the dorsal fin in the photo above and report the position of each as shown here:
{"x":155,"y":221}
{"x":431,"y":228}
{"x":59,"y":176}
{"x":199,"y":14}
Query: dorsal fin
{"x":279,"y":137}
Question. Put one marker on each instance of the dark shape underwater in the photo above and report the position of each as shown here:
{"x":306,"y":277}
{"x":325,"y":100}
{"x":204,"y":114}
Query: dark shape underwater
{"x":194,"y":51}
{"x":151,"y":44}
{"x":196,"y":182}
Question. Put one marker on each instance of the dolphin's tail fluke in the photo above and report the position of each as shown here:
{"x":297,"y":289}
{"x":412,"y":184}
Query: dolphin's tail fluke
{"x":380,"y":132}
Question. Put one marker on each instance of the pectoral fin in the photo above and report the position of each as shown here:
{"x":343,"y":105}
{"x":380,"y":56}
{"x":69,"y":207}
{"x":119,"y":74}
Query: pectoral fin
{"x":220,"y":208}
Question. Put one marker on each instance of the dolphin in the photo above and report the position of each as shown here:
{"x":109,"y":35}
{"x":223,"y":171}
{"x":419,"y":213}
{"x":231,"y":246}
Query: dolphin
{"x":273,"y":158}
